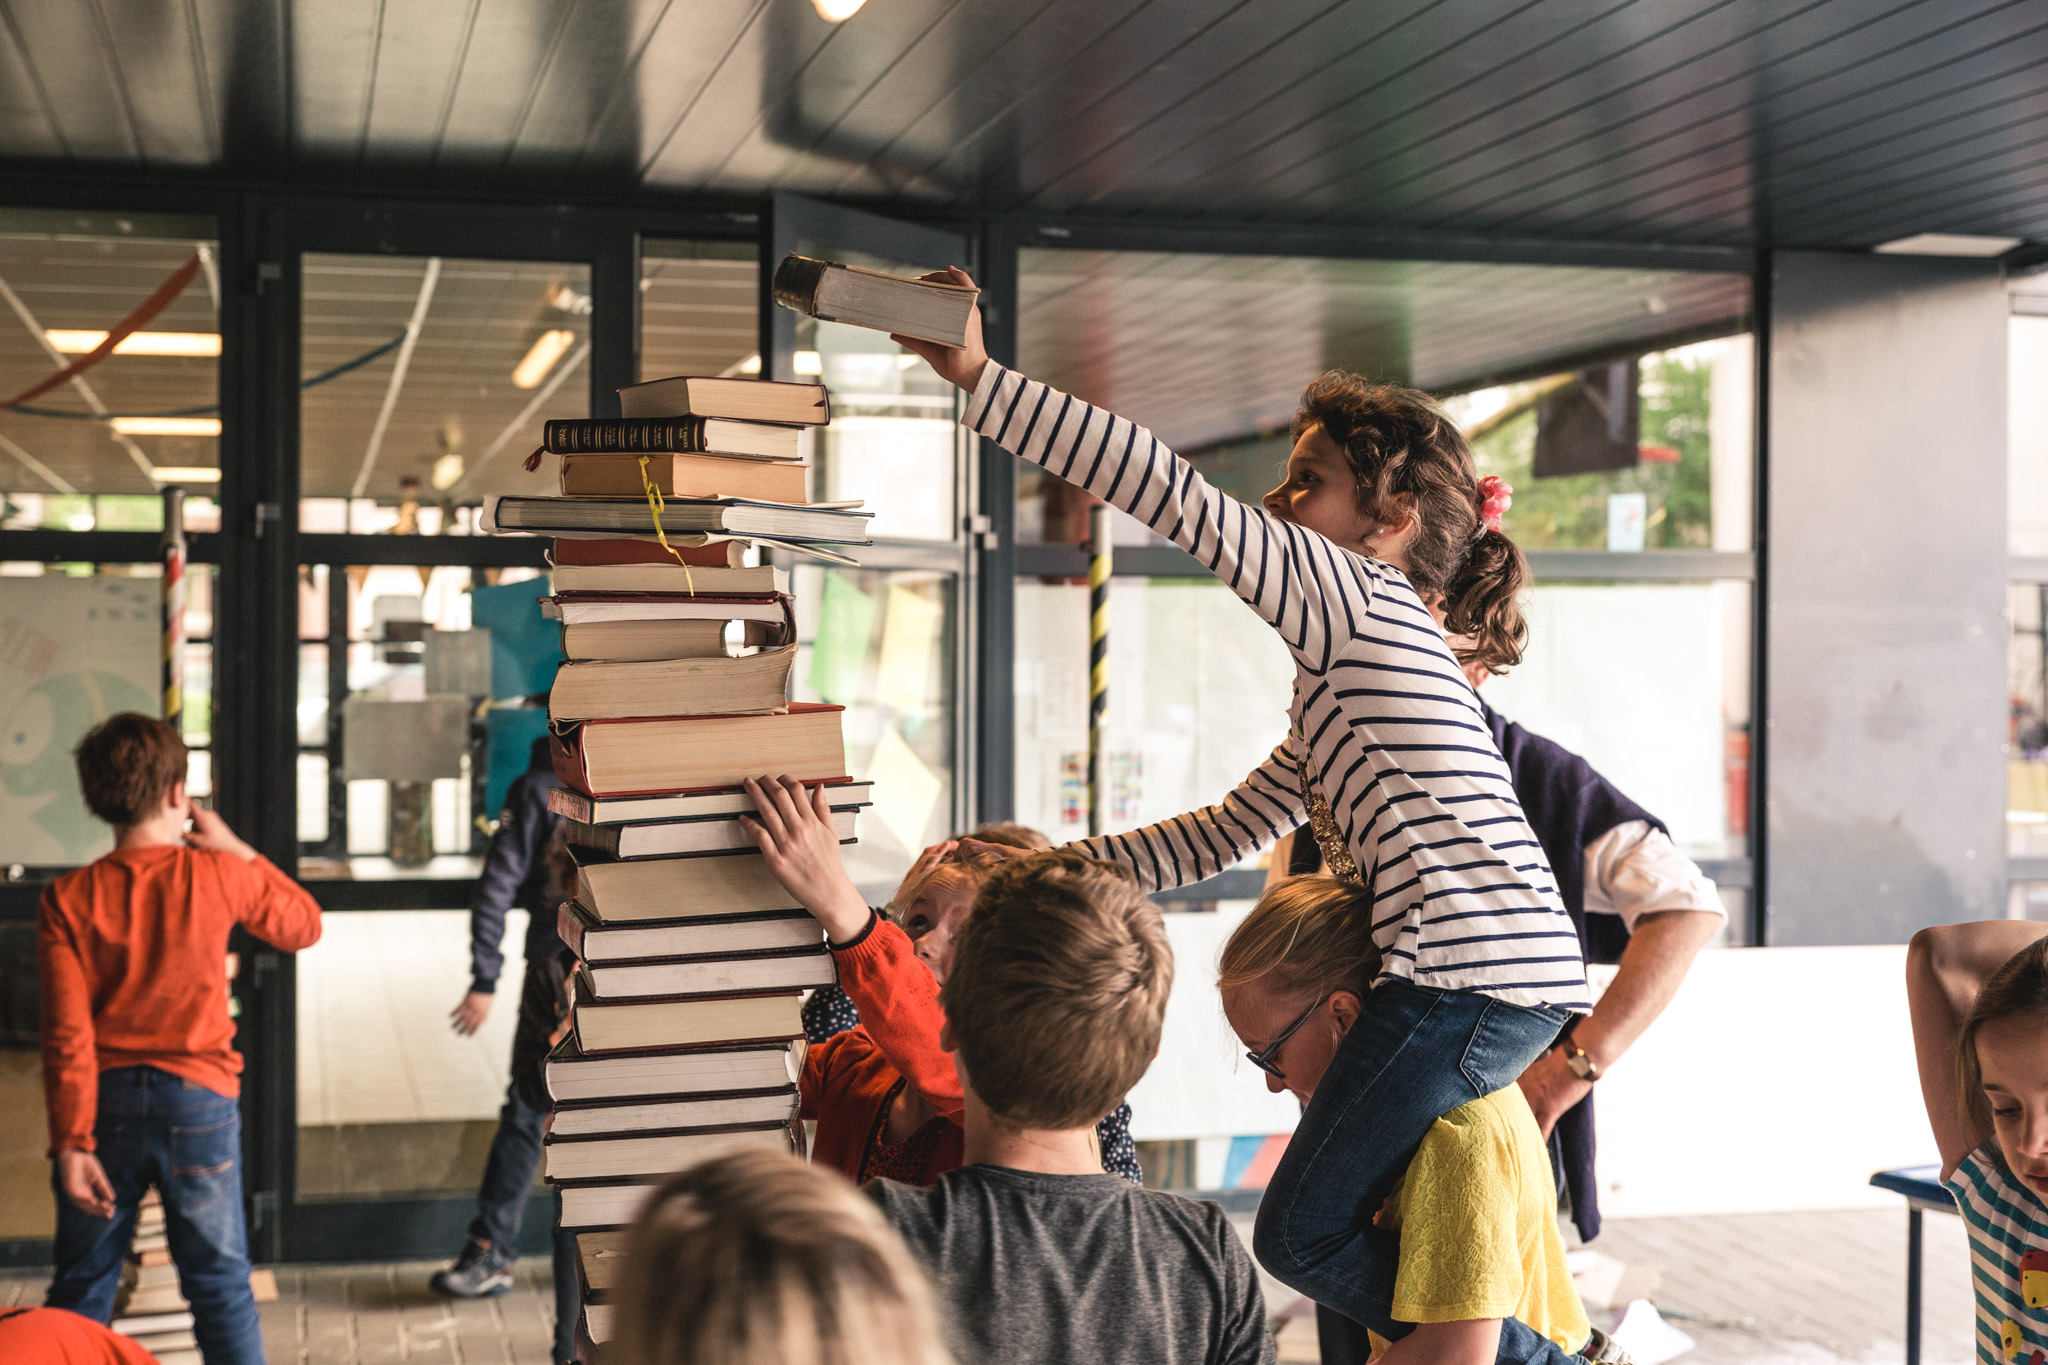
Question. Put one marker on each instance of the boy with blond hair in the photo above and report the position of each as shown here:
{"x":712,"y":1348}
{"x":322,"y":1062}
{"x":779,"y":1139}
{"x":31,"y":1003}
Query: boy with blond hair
{"x":1054,"y":1006}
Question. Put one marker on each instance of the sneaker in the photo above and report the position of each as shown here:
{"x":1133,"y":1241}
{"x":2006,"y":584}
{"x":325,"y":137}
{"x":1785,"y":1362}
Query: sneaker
{"x":1604,"y":1350}
{"x":479,"y":1273}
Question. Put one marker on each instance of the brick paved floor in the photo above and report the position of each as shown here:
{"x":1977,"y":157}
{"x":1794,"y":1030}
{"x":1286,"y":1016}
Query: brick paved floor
{"x":1768,"y":1289}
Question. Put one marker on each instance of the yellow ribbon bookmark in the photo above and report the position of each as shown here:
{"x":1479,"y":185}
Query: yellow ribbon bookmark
{"x":655,"y":502}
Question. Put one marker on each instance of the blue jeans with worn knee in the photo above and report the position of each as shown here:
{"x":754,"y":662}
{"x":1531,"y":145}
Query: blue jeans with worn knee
{"x":158,"y":1129}
{"x":1415,"y":1054}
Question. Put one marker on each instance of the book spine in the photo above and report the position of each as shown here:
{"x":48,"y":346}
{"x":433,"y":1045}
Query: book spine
{"x":796,"y":283}
{"x":624,"y":436}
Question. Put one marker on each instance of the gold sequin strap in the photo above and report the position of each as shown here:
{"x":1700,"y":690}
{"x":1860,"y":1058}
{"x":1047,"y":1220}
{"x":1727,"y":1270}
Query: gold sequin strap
{"x":1336,"y":850}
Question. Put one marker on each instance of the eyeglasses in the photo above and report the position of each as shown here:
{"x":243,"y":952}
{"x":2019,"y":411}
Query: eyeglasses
{"x":1264,"y":1060}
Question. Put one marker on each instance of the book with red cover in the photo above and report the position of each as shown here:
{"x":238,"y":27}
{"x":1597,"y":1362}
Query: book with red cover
{"x":721,"y":554}
{"x":646,"y":756}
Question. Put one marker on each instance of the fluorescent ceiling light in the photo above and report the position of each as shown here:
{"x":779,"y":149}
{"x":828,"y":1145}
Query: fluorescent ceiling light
{"x":837,"y":11}
{"x":166,"y":426}
{"x":172,"y":473}
{"x":1947,"y":244}
{"x":136,"y":343}
{"x":804,"y":362}
{"x":547,"y":348}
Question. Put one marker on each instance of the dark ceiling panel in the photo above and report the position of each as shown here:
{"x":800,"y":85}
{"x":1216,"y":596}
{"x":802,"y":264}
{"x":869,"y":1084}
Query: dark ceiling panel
{"x":1812,"y":122}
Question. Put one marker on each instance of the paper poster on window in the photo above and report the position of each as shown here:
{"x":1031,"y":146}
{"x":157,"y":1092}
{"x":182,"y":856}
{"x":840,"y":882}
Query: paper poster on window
{"x":73,"y":651}
{"x":846,"y":622}
{"x":906,"y":791}
{"x":910,"y":637}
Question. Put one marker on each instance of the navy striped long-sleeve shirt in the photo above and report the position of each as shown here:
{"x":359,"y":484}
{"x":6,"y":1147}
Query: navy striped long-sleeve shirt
{"x":1463,"y":897}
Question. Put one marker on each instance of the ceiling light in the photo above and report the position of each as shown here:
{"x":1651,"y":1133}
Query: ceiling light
{"x":807,"y":362}
{"x":547,"y":348}
{"x":447,"y":472}
{"x":751,"y":365}
{"x":172,"y":473}
{"x":1947,"y":244}
{"x":71,"y":342}
{"x":166,"y":426}
{"x":567,"y":300}
{"x":837,"y":11}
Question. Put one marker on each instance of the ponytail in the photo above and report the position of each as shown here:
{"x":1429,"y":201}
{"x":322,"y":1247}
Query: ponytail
{"x":1397,"y":440}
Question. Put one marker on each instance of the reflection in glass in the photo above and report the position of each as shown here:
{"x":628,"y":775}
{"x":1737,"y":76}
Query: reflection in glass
{"x":91,"y":453}
{"x":2026,"y":806}
{"x":892,"y":441}
{"x":880,"y":644}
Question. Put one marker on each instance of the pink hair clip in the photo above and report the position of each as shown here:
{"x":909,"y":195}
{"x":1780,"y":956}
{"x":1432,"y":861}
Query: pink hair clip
{"x":1496,"y":496}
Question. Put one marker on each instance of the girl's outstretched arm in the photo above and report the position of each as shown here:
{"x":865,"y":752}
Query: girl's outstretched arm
{"x":1202,"y":843}
{"x":1313,"y":593}
{"x":1945,"y":968}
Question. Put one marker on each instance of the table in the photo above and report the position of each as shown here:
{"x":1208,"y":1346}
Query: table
{"x":1921,"y":1185}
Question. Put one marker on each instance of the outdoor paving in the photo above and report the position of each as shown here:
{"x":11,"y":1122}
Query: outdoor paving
{"x":1765,"y":1289}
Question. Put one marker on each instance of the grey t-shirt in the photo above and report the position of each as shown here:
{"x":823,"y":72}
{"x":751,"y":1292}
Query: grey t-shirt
{"x":1081,"y":1268}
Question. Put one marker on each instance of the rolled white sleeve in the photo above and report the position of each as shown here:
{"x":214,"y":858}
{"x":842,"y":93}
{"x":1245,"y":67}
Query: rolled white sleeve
{"x":1635,"y":870}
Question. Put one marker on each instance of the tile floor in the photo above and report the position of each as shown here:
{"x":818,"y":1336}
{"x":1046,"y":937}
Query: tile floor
{"x":1774,"y":1289}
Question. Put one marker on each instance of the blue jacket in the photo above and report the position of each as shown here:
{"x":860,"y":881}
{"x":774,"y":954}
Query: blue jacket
{"x":516,"y":873}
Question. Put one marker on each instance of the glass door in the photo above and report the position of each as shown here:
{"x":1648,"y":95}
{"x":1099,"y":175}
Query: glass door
{"x":888,"y":640}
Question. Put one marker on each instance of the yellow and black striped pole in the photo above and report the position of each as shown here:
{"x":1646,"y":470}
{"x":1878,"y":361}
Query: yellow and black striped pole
{"x":173,"y":555}
{"x":1098,"y":665}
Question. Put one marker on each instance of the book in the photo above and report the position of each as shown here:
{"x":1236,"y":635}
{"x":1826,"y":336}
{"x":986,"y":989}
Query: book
{"x":597,"y":1322}
{"x":593,"y":810}
{"x":833,"y":292}
{"x":651,"y":641}
{"x":669,"y":436}
{"x":722,"y":886}
{"x":713,"y":685}
{"x":669,"y":838}
{"x":697,"y":978}
{"x":662,"y":1116}
{"x":685,"y":476}
{"x":600,"y":1262}
{"x":156,"y":1343}
{"x":141,"y":1324}
{"x":592,"y":551}
{"x":590,"y":939}
{"x":685,"y":753}
{"x":601,"y":1026}
{"x":610,"y":1158}
{"x":665,"y":575}
{"x":745,"y":400}
{"x":609,"y":1205}
{"x":744,"y":518}
{"x":148,"y":1273}
{"x":158,"y":1298}
{"x":583,"y":608}
{"x":572,"y":1076}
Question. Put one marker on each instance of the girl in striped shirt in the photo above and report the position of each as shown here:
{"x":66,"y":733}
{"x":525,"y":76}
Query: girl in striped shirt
{"x":1388,"y":759}
{"x":1979,"y":994}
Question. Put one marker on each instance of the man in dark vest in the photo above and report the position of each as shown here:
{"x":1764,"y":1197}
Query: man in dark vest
{"x":1637,"y":902}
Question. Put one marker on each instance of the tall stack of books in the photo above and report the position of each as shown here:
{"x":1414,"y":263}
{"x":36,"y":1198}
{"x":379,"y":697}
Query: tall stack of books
{"x":685,"y":1040}
{"x":149,"y":1306}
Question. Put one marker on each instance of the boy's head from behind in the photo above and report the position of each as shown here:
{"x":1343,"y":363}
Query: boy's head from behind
{"x":758,"y":1259}
{"x":128,"y":765}
{"x":1058,"y":989}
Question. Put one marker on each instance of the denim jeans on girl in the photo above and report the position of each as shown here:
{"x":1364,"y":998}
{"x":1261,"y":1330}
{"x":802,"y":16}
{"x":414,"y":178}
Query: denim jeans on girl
{"x":1415,"y":1054}
{"x":158,"y":1129}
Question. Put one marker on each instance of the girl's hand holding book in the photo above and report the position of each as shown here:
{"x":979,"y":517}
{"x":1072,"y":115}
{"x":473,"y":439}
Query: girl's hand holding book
{"x":794,"y":830}
{"x":958,"y":365}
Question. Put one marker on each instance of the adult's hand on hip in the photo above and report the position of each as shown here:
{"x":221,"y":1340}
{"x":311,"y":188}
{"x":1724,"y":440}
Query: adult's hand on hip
{"x":1552,"y":1088}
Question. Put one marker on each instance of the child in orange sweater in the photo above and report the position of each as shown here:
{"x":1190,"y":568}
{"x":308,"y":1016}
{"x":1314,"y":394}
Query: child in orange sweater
{"x":139,"y":1066}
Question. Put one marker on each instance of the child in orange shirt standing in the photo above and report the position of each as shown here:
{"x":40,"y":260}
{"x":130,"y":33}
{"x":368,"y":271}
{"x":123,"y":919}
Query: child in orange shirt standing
{"x":139,"y":1066}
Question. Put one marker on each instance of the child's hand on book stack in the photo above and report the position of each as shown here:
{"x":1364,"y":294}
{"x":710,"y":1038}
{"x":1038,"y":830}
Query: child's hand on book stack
{"x":959,"y":365}
{"x":794,"y":829}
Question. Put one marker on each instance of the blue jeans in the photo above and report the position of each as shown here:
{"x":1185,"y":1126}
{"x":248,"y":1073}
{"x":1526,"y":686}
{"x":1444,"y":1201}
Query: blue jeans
{"x":1415,"y":1054}
{"x":158,"y":1129}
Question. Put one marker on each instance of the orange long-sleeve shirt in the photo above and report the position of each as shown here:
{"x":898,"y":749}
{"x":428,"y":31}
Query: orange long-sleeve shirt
{"x":132,"y":950}
{"x":849,"y":1079}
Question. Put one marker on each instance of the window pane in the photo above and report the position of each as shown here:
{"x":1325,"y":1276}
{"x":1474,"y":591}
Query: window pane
{"x":881,"y":645}
{"x":699,"y":308}
{"x":2027,"y":432}
{"x":407,"y":436}
{"x":2026,"y":813}
{"x":93,"y":452}
{"x":391,"y":1100}
{"x":1650,"y":683}
{"x":1198,"y":697}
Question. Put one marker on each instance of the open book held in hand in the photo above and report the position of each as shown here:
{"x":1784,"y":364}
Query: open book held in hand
{"x":832,"y":292}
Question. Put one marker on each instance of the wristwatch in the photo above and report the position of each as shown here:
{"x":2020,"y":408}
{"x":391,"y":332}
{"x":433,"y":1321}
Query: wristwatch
{"x":1582,"y":1066}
